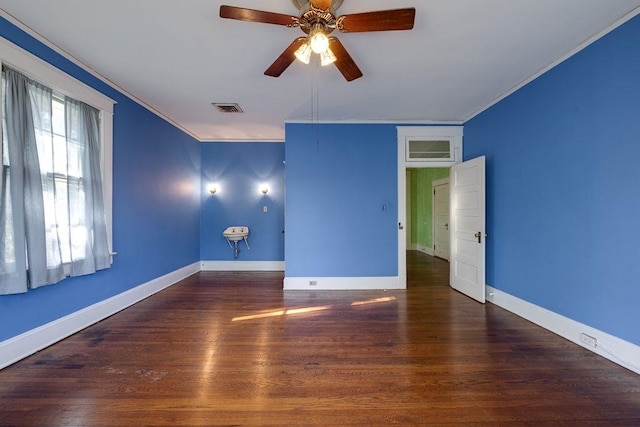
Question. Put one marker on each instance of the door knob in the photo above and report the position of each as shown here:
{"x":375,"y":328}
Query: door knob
{"x":478,"y":236}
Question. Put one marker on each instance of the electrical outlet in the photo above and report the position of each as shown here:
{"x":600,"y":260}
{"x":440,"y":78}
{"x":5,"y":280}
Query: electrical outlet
{"x":313,"y":283}
{"x":589,"y":340}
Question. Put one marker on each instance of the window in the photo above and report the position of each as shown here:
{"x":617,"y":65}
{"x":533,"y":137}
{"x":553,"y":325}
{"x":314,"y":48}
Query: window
{"x":431,"y":146}
{"x":425,"y":149}
{"x":61,"y":164}
{"x":71,"y":132}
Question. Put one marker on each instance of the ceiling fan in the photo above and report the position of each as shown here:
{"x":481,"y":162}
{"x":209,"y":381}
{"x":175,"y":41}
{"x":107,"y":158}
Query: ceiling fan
{"x":318,"y":19}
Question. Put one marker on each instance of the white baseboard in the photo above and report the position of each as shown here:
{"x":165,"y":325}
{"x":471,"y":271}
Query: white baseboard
{"x":341,"y":283}
{"x":613,"y":348}
{"x":14,"y":349}
{"x":25,"y":344}
{"x":425,"y":250}
{"x":242,"y":265}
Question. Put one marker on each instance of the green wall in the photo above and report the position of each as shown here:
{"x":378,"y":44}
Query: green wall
{"x":421,"y":204}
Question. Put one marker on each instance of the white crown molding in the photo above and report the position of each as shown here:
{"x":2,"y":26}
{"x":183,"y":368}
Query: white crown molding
{"x":33,"y":67}
{"x":563,"y":58}
{"x":375,"y":121}
{"x":91,"y":71}
{"x":214,"y":140}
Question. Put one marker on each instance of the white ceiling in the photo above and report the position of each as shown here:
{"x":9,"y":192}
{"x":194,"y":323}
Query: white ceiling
{"x":178,"y":56}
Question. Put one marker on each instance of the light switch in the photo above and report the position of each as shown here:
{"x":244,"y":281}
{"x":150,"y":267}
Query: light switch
{"x":265,"y":209}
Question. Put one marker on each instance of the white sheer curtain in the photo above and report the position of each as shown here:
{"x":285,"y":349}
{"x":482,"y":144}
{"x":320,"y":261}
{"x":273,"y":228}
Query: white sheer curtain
{"x":51,"y":218}
{"x":88,"y":249}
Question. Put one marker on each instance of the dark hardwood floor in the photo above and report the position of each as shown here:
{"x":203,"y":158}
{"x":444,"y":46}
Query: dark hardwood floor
{"x":234,"y":349}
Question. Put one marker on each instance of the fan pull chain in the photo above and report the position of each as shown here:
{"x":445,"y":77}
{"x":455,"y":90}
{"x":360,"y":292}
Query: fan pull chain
{"x":317,"y":106}
{"x":315,"y":103}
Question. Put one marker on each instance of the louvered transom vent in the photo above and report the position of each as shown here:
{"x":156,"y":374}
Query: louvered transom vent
{"x":225,"y":107}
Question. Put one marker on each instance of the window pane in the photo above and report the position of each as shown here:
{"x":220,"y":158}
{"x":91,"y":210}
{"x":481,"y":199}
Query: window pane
{"x":421,"y":149}
{"x":57,"y":122}
{"x":5,"y":151}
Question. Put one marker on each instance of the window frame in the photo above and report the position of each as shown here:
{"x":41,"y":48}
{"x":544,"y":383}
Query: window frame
{"x":423,"y":156}
{"x":45,"y":73}
{"x":452,"y":134}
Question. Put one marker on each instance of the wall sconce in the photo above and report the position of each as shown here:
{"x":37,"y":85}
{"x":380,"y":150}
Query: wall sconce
{"x":264,"y":188}
{"x":213,"y":188}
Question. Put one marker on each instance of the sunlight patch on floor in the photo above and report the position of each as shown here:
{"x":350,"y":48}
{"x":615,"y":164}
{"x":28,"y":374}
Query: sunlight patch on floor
{"x":282,"y":312}
{"x":373,"y":301}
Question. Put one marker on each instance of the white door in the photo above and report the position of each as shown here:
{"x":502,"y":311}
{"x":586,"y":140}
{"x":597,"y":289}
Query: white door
{"x":441,"y":218}
{"x":467,"y":224}
{"x":408,"y":222}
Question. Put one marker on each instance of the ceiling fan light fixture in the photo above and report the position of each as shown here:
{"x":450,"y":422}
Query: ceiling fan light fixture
{"x":318,"y":39}
{"x":327,"y":57}
{"x":303,"y":53}
{"x":317,"y":20}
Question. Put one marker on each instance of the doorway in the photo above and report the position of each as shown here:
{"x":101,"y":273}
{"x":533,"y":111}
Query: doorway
{"x":441,"y":146}
{"x":427,"y":210}
{"x":421,"y":148}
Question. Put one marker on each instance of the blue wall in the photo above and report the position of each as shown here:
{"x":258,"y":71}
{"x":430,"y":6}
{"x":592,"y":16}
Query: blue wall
{"x":562,"y":186}
{"x":562,"y":207}
{"x":339,"y":177}
{"x":156,"y":207}
{"x":238,"y":169}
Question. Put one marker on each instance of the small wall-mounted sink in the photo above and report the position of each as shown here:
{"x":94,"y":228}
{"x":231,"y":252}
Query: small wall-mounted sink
{"x":235,"y":234}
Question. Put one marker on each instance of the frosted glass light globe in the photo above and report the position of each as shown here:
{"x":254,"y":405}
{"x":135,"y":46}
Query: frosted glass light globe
{"x":319,"y":42}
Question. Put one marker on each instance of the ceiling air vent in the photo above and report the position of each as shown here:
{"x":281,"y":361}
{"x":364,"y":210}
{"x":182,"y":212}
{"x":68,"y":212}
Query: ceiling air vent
{"x":224,"y":107}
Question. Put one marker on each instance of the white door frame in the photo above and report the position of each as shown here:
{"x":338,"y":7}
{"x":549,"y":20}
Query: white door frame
{"x":406,"y":133}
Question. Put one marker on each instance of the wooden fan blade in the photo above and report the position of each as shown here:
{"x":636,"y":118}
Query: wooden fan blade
{"x":285,"y":59}
{"x":322,"y":4}
{"x":383,"y":20}
{"x":344,"y":62}
{"x":251,"y":15}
